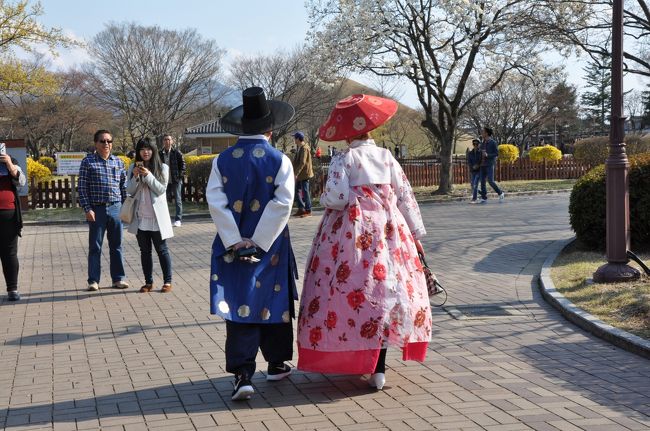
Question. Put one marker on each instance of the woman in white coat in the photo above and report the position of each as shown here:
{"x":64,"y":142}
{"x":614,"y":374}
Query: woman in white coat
{"x":147,"y":182}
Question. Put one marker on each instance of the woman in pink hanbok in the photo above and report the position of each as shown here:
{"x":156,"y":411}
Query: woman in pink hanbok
{"x":364,"y":288}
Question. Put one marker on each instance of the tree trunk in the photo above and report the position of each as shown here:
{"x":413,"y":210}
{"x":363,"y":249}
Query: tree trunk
{"x":446,"y":179}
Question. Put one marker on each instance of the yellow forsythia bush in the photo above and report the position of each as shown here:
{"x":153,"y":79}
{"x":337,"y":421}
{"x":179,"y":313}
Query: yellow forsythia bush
{"x":198,"y":167}
{"x":508,"y":153}
{"x":127,"y":161}
{"x":547,"y":152}
{"x":48,"y":162}
{"x":37,"y":171}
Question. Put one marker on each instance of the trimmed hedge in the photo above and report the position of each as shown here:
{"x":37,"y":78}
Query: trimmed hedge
{"x":594,"y":150}
{"x":546,"y":152}
{"x":588,"y":199}
{"x":508,"y":153}
{"x":198,"y":169}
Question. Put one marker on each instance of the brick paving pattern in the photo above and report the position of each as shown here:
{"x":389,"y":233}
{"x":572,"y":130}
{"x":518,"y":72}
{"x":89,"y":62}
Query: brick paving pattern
{"x":121,"y":360}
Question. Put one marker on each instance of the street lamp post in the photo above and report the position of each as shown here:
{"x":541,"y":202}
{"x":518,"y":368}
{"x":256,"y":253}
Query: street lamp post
{"x":618,"y":200}
{"x":555,"y":110}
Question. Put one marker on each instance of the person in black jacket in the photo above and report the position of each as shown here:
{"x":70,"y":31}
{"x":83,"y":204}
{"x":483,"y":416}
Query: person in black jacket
{"x":174,"y":159}
{"x":11,"y":222}
{"x":474,"y":165}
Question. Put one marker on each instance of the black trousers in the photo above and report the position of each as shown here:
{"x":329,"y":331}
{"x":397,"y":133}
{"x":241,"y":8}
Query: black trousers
{"x":9,"y":248}
{"x":275,"y":340}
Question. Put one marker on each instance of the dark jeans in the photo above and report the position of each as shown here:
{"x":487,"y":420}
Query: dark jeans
{"x":487,"y":173}
{"x":9,"y":248}
{"x":302,"y":195}
{"x":275,"y":340}
{"x":107,"y":220}
{"x":174,"y":191}
{"x":476,"y":177}
{"x":145,"y":239}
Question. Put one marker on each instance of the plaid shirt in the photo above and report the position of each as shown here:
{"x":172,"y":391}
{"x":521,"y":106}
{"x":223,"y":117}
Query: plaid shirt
{"x":101,"y":181}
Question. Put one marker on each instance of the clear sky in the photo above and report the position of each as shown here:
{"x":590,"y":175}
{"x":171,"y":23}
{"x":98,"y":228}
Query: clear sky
{"x":245,"y":27}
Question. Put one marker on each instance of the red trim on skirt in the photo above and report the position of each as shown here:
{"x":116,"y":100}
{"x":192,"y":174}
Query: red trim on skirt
{"x":353,"y":362}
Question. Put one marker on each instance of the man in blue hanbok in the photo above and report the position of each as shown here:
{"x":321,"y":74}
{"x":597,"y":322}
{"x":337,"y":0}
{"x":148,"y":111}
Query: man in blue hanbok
{"x":252,"y":282}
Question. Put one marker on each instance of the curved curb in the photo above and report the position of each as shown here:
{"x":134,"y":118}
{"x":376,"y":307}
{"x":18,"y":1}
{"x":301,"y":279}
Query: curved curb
{"x":586,"y":321}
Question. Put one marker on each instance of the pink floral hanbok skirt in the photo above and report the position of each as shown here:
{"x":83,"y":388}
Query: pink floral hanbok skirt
{"x":364,"y":288}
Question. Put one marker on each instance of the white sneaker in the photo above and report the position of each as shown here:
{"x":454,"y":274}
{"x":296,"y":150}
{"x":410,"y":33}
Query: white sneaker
{"x":120,"y":284}
{"x":473,"y":201}
{"x":93,"y":287}
{"x":502,"y":196}
{"x":177,"y":223}
{"x":377,"y":380}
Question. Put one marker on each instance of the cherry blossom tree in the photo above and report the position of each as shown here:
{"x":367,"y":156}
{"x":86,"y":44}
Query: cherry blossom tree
{"x":439,"y":46}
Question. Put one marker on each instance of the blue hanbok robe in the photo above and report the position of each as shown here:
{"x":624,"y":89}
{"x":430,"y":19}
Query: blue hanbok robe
{"x":240,"y":291}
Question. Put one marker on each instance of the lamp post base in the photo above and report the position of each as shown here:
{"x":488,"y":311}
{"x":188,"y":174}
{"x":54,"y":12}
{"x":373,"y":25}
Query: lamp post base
{"x":616,"y":273}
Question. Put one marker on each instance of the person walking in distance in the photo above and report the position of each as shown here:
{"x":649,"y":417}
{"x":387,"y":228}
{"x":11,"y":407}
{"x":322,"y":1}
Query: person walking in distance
{"x":102,"y":189}
{"x":489,"y":154}
{"x":474,"y":164}
{"x":174,"y":159}
{"x":303,"y":171}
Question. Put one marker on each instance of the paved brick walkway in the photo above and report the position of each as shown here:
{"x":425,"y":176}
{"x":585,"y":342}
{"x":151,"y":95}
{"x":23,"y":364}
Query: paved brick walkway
{"x":120,"y":360}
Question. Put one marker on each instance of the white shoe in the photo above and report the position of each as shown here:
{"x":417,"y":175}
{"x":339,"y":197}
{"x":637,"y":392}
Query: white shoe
{"x":502,"y":196}
{"x":177,"y":223}
{"x":93,"y":287}
{"x":120,"y":284}
{"x":474,"y":201}
{"x":377,"y":380}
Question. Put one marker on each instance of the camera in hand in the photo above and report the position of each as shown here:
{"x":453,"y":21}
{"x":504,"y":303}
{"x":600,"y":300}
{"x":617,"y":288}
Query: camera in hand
{"x":246,"y":252}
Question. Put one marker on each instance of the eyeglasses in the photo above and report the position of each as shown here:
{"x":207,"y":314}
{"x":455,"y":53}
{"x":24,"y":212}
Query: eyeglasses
{"x":106,"y":141}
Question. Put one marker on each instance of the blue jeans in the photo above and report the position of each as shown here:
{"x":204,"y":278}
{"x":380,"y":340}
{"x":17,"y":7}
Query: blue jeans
{"x":487,"y":173}
{"x":145,"y":238}
{"x":476,"y":177}
{"x":302,"y":195}
{"x":107,"y":220}
{"x":174,"y":191}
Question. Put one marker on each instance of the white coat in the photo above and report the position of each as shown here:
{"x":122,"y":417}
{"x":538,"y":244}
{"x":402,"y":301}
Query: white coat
{"x":158,"y":199}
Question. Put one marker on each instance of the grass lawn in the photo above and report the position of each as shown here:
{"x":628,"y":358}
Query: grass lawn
{"x":625,"y":306}
{"x":464,"y":190}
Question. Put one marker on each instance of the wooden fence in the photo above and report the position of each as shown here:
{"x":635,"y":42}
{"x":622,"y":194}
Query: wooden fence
{"x":420,"y":172}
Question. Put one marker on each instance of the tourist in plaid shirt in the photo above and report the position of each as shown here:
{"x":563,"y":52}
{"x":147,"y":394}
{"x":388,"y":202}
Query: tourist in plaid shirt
{"x":102,"y":190}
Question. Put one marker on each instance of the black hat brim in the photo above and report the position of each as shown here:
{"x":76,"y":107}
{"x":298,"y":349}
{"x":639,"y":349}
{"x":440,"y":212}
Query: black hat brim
{"x":233,"y":123}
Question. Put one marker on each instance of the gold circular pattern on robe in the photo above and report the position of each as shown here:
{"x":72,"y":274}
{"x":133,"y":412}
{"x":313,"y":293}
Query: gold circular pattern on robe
{"x":255,"y":205}
{"x":237,"y":153}
{"x":269,"y":179}
{"x":265,"y":314}
{"x":244,"y":311}
{"x":228,"y":257}
{"x":223,"y":307}
{"x":286,"y":317}
{"x":259,"y":152}
{"x":237,"y":206}
{"x":258,"y":284}
{"x":277,"y":288}
{"x":275,"y":259}
{"x":215,"y":277}
{"x":224,"y":179}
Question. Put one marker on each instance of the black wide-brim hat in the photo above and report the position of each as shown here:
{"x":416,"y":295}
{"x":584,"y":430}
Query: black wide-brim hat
{"x":257,"y":115}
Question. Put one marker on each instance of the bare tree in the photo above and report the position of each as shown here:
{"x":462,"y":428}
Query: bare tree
{"x":291,"y":77}
{"x":438,"y":46}
{"x":154,"y":78}
{"x":593,"y":36}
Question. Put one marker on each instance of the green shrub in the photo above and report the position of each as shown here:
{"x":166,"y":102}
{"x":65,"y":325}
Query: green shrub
{"x":508,"y":153}
{"x":588,"y":198}
{"x":594,"y":150}
{"x":547,"y":152}
{"x":37,"y":171}
{"x":48,"y":162}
